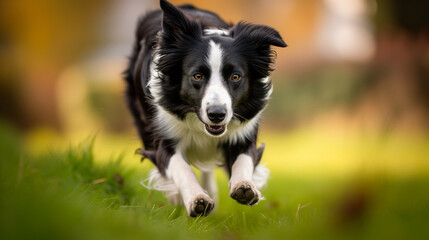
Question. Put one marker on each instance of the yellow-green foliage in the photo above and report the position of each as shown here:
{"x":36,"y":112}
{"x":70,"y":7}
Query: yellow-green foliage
{"x":322,"y":186}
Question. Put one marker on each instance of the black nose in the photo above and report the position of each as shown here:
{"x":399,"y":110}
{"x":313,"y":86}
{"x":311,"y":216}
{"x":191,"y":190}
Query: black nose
{"x":216,"y":114}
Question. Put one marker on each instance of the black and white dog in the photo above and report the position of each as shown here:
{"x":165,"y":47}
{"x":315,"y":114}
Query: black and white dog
{"x":196,"y":87}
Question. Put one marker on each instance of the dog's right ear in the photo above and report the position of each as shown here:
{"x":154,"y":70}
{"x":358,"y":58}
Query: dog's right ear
{"x":176,"y":25}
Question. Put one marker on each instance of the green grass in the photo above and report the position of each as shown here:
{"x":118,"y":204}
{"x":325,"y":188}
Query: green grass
{"x":69,"y":194}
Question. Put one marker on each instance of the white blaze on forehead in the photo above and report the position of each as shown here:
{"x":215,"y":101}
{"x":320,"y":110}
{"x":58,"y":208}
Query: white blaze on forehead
{"x":216,"y":93}
{"x":215,"y":58}
{"x":216,"y":31}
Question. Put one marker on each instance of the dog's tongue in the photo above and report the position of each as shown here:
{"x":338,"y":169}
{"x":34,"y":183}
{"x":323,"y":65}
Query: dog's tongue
{"x":215,"y":130}
{"x":214,"y":127}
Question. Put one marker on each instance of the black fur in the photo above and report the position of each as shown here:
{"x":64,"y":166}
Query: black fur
{"x":178,"y":33}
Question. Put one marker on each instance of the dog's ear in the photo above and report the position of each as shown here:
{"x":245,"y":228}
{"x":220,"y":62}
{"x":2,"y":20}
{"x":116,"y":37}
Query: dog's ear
{"x":257,"y":35}
{"x":254,"y":42}
{"x":176,"y":25}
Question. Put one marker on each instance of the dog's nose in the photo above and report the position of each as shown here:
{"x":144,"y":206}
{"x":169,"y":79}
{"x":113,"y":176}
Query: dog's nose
{"x":216,"y":114}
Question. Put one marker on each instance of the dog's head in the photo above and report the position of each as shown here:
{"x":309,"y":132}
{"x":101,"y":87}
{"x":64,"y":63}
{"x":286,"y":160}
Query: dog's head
{"x":219,"y":74}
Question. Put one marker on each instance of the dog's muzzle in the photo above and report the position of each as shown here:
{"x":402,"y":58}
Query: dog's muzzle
{"x":216,"y":115}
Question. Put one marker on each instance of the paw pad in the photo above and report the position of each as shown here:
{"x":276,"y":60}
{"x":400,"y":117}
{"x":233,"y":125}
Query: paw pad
{"x":245,"y":194}
{"x":201,"y":206}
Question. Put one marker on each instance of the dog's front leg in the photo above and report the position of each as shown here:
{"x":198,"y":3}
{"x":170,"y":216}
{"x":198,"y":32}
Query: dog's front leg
{"x":241,"y":185}
{"x":195,"y":199}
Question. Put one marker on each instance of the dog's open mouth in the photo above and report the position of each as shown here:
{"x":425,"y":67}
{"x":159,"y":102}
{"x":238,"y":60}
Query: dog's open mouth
{"x":215,"y":130}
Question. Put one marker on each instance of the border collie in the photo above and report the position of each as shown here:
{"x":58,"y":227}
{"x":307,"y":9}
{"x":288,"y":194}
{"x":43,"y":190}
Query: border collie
{"x":196,"y":87}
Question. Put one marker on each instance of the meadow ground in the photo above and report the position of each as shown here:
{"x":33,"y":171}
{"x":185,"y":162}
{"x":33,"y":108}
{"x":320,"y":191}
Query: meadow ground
{"x":323,"y":185}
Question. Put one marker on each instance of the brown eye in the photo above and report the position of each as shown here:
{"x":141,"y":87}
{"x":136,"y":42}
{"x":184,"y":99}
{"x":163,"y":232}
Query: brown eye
{"x":235,"y":77}
{"x":198,"y":76}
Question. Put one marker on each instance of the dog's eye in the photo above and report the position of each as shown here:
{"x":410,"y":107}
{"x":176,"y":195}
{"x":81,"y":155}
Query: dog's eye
{"x":198,"y":76}
{"x":235,"y":77}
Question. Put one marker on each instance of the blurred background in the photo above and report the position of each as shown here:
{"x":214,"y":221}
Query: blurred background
{"x":351,"y":90}
{"x":346,"y":129}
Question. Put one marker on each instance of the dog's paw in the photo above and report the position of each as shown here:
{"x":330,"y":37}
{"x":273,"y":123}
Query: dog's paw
{"x":245,"y":192}
{"x":201,"y":205}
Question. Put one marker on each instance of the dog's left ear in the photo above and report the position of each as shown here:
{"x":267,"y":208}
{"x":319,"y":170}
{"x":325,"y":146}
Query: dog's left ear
{"x":257,"y":35}
{"x":176,"y":25}
{"x":254,"y":42}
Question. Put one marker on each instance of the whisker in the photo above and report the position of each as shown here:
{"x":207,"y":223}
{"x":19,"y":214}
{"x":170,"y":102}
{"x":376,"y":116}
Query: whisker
{"x":238,"y":115}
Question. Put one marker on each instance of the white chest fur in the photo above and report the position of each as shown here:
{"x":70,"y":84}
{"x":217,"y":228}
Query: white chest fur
{"x":200,"y":149}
